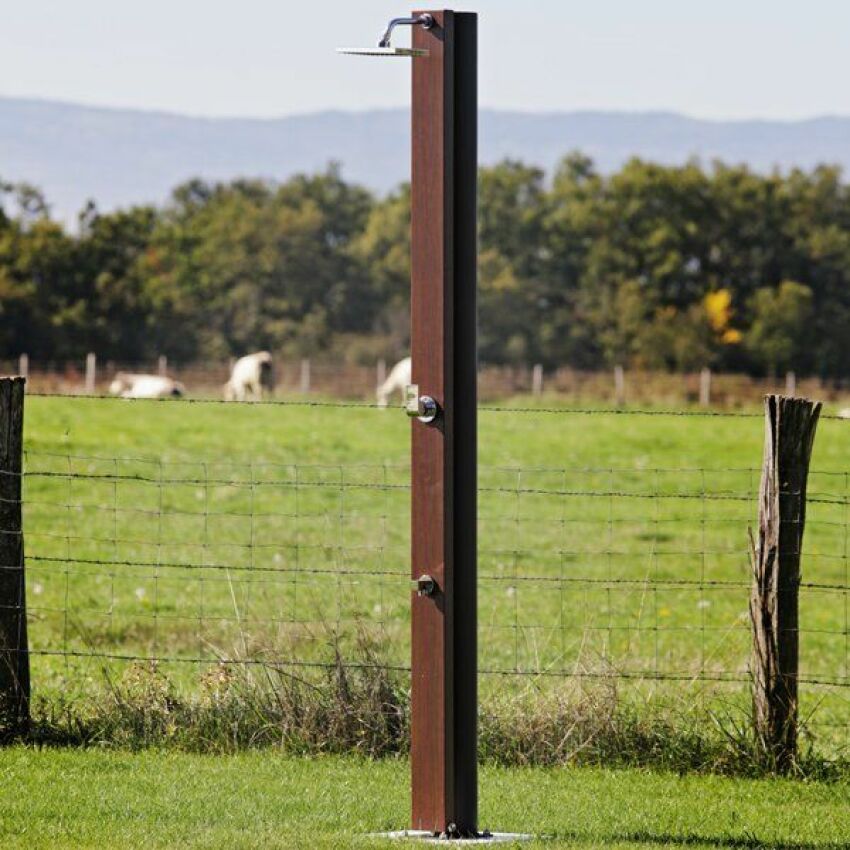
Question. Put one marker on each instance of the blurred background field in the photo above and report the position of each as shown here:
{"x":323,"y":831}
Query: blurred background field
{"x":340,"y":379}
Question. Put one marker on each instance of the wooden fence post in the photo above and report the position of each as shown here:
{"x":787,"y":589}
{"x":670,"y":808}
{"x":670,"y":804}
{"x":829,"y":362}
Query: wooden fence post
{"x":14,"y":650}
{"x":619,"y":386}
{"x":537,"y":379}
{"x":91,"y":372}
{"x":380,"y":373}
{"x":790,"y":425}
{"x":24,"y":365}
{"x":305,"y":376}
{"x":705,"y":387}
{"x":790,"y":384}
{"x":162,"y":365}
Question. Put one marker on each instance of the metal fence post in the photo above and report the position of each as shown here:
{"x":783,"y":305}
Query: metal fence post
{"x":14,"y":657}
{"x":443,"y":329}
{"x":790,"y":425}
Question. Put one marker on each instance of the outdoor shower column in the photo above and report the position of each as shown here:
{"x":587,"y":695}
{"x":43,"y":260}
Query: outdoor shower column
{"x":444,"y":478}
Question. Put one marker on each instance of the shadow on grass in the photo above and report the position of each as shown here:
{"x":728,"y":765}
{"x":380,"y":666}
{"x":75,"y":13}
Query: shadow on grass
{"x":746,"y":841}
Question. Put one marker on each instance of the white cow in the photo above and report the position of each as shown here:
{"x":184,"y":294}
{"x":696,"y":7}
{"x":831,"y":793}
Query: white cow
{"x":129,"y":385}
{"x":250,"y":376}
{"x":398,"y":379}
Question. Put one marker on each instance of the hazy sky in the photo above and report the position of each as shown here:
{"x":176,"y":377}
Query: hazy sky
{"x":708,"y":58}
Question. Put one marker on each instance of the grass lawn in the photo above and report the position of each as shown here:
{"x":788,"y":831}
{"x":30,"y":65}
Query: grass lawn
{"x":606,"y":541}
{"x":92,"y":799}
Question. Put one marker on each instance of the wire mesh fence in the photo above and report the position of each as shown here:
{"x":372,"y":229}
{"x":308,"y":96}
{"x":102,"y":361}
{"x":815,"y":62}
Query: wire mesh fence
{"x":614,"y":566}
{"x":131,"y":558}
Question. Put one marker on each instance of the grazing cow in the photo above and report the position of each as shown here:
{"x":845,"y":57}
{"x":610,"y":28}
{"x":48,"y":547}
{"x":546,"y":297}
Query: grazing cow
{"x":250,"y":377}
{"x":128,"y":385}
{"x":398,"y":379}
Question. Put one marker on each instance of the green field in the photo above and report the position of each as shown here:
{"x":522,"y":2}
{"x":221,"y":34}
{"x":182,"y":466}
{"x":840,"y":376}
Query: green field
{"x":96,"y":799}
{"x":609,"y":543}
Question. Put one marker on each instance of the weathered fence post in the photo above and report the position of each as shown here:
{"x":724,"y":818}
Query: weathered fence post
{"x":790,"y":384}
{"x":14,"y":651}
{"x":619,"y":386}
{"x":91,"y":372}
{"x":380,"y":373}
{"x":537,"y":379}
{"x":705,"y":387}
{"x":162,"y":365}
{"x":24,"y":365}
{"x":790,"y":425}
{"x":305,"y":376}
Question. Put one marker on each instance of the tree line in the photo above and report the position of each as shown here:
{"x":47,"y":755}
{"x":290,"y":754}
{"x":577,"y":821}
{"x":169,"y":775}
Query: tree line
{"x":661,"y":267}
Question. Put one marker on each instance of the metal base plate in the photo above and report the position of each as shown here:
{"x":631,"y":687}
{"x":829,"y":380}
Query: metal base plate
{"x":430,"y":838}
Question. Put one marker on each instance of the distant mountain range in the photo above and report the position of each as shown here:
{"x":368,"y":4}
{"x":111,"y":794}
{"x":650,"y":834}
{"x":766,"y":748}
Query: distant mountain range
{"x":119,"y":157}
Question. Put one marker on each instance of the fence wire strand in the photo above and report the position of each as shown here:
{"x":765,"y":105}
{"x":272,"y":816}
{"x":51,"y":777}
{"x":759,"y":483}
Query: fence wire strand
{"x":243,"y":551}
{"x":487,"y":408}
{"x":638,"y":573}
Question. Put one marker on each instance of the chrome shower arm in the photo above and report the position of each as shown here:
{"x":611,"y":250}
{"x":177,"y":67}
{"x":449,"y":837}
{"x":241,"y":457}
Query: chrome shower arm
{"x":426,"y":21}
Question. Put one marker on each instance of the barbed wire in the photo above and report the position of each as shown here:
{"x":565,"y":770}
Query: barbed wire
{"x":486,"y":408}
{"x":612,"y":674}
{"x":266,"y":402}
{"x":625,"y":572}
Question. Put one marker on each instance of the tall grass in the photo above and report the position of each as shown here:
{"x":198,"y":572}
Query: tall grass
{"x":351,"y":708}
{"x":364,"y":708}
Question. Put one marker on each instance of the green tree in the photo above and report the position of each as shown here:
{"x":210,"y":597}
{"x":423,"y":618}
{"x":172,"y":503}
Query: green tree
{"x":251,"y":265}
{"x":107,"y":260}
{"x":781,"y":327}
{"x":512,"y":299}
{"x":383,"y":253}
{"x":656,"y":266}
